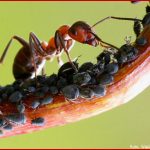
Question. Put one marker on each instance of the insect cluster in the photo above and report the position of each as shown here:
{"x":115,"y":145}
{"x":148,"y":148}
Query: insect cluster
{"x":73,"y":81}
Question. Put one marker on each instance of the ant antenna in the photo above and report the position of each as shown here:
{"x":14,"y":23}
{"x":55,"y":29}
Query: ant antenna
{"x":117,"y":18}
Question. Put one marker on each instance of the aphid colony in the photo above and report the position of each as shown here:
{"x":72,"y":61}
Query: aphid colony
{"x":90,"y":81}
{"x":87,"y":81}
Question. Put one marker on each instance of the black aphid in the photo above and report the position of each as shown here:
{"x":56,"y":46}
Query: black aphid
{"x":146,"y":20}
{"x":121,"y":57}
{"x":81,"y":78}
{"x":39,"y":94}
{"x":4,"y":96}
{"x":86,"y":93}
{"x":52,"y":80}
{"x":38,"y":121}
{"x":62,"y":82}
{"x":112,"y":68}
{"x":105,"y":79}
{"x":96,"y":69}
{"x":141,"y":41}
{"x":16,"y":118}
{"x":67,"y":70}
{"x":44,"y":89}
{"x":41,"y":79}
{"x":20,"y":108}
{"x":53,"y":90}
{"x":46,"y":101}
{"x":8,"y":127}
{"x":137,"y":28}
{"x":129,"y":51}
{"x":104,"y":57}
{"x":35,"y":104}
{"x":15,"y":97}
{"x":147,"y":9}
{"x":71,"y":92}
{"x":86,"y":66}
{"x":31,"y":89}
{"x":2,"y":122}
{"x":9,"y":89}
{"x":99,"y":90}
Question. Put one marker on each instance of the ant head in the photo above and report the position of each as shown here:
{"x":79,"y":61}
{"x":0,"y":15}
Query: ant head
{"x":83,"y":33}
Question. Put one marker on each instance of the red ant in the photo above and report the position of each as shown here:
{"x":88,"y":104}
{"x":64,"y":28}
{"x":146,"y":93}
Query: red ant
{"x":31,"y":58}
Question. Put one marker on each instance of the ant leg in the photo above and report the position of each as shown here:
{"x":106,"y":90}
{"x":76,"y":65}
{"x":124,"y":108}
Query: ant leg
{"x":35,"y":44}
{"x":32,"y":48}
{"x":117,"y":18}
{"x":5,"y":52}
{"x":19,"y":39}
{"x":59,"y":42}
{"x":59,"y":60}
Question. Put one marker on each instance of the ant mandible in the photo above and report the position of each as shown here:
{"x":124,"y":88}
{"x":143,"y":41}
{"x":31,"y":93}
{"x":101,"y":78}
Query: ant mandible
{"x":30,"y":59}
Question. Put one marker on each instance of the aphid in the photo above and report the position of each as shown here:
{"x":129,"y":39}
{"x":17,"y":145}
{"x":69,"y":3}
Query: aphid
{"x":141,"y":41}
{"x":8,"y":127}
{"x":99,"y":90}
{"x":21,"y":108}
{"x":137,"y":28}
{"x":71,"y":92}
{"x":39,"y":94}
{"x":147,"y":9}
{"x":9,"y":89}
{"x":15,"y":97}
{"x":31,"y":89}
{"x":41,"y":79}
{"x":95,"y":70}
{"x":19,"y":118}
{"x":2,"y":122}
{"x":4,"y":96}
{"x":81,"y":78}
{"x":52,"y":80}
{"x":62,"y":82}
{"x":112,"y":68}
{"x":35,"y":104}
{"x":67,"y":70}
{"x":86,"y":93}
{"x":130,"y":51}
{"x":53,"y":90}
{"x":38,"y":121}
{"x":44,"y":89}
{"x":86,"y":66}
{"x":105,"y":79}
{"x":104,"y":57}
{"x":45,"y":101}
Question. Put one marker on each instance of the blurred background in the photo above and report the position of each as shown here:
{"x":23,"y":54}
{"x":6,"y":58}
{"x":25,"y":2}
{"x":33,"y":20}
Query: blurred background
{"x":124,"y":127}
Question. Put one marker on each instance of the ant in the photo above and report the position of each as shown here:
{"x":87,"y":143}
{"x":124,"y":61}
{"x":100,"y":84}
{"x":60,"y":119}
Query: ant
{"x":30,"y":59}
